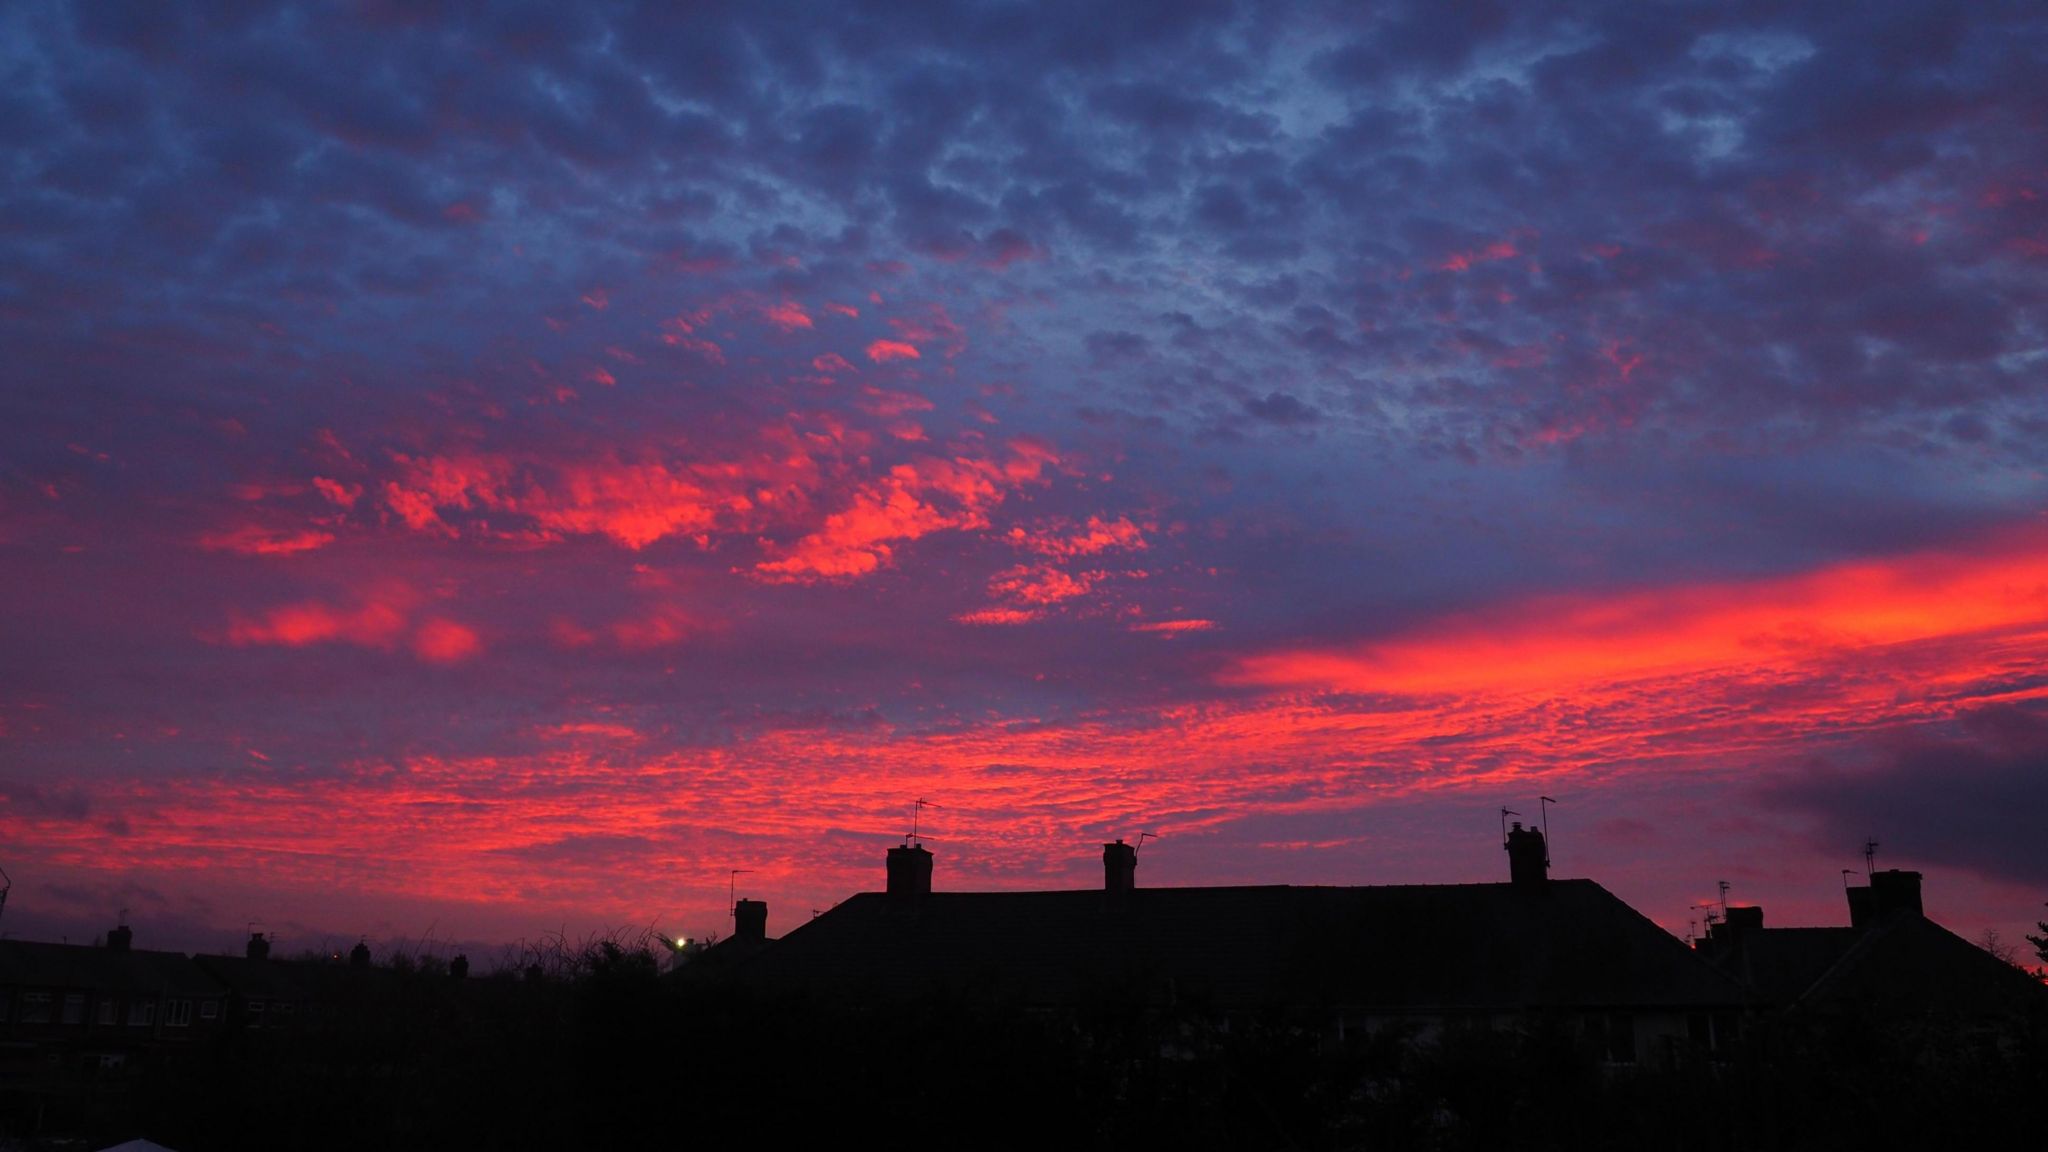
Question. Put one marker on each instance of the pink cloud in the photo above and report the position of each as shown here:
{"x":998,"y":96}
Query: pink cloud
{"x":883,"y":351}
{"x":789,"y":316}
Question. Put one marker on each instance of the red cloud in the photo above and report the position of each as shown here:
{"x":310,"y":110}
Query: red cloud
{"x":1040,"y":584}
{"x":382,"y":618}
{"x":378,"y":622}
{"x":998,"y":616}
{"x":659,"y":629}
{"x":789,"y":316}
{"x":704,"y":348}
{"x":1461,"y":261}
{"x":912,"y":501}
{"x":883,"y":351}
{"x":1174,"y":627}
{"x":339,"y":494}
{"x":1097,"y":535}
{"x":932,"y":325}
{"x":1568,"y":645}
{"x":445,"y":642}
{"x":253,"y":540}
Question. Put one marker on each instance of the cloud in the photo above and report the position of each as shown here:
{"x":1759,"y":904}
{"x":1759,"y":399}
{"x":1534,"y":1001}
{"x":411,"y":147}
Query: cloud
{"x":1995,"y":593}
{"x":913,"y":500}
{"x":445,"y":642}
{"x":256,"y":540}
{"x":378,"y":621}
{"x":883,"y":351}
{"x":1965,"y":793}
{"x":1673,"y":381}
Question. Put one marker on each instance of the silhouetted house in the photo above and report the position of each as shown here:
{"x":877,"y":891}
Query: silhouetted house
{"x":78,"y":1022}
{"x":262,"y":993}
{"x":1338,"y":959}
{"x":102,"y":999}
{"x":1892,"y":961}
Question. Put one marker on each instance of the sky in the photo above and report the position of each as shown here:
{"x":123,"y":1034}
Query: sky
{"x":485,"y":472}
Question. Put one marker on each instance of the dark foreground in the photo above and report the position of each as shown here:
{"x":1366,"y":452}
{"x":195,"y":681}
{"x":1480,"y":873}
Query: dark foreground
{"x":616,"y":1054}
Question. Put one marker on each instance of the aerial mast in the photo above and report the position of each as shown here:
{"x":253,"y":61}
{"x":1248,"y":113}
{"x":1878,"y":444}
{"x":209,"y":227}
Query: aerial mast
{"x":732,"y":899}
{"x":917,"y":810}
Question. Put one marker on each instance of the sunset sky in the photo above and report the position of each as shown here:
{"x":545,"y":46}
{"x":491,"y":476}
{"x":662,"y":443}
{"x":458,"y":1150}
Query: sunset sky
{"x":496,"y":472}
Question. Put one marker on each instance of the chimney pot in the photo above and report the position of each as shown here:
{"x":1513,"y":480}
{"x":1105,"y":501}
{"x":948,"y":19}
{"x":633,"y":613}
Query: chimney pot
{"x":121,"y":939}
{"x":359,"y":956}
{"x":258,"y":948}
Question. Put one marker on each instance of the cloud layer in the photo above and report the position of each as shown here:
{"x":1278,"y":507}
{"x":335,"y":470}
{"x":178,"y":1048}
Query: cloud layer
{"x":519,"y":463}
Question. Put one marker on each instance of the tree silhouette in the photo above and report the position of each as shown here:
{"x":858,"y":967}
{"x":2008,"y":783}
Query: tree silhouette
{"x":2040,"y":942}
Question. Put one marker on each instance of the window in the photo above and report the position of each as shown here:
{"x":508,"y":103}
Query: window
{"x":74,"y":1008}
{"x":35,"y":1007}
{"x":107,"y":1010}
{"x":178,"y":1013}
{"x":208,"y":1009}
{"x":141,"y":1013}
{"x":256,"y":1010}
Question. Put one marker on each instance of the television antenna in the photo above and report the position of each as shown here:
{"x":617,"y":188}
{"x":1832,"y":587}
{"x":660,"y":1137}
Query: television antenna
{"x":1142,"y":837}
{"x":1545,"y":802}
{"x":732,"y":902}
{"x":1723,"y":885}
{"x":916,"y":811}
{"x":1869,"y":856}
{"x":1846,"y":873}
{"x":6,"y":886}
{"x":1504,"y":814}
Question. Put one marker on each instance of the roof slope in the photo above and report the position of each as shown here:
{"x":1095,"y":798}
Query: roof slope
{"x":1908,"y":963}
{"x":1398,"y":947}
{"x":32,"y":964}
{"x":1780,"y":964}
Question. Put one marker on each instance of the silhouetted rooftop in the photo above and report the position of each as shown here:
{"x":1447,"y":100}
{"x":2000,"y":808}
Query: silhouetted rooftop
{"x":34,"y":963}
{"x":1906,"y":963}
{"x":1569,"y":943}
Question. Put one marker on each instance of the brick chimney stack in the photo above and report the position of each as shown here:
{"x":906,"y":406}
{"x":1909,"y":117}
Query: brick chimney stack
{"x":1119,"y":867}
{"x":750,"y":920}
{"x":910,"y":873}
{"x":1528,"y":858}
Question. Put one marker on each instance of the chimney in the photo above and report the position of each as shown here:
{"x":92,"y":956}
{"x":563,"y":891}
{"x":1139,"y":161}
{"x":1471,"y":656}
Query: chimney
{"x":258,"y":948}
{"x":1528,"y":860}
{"x":750,"y":920}
{"x":910,"y":872}
{"x":1893,"y":890}
{"x":1119,"y":867}
{"x":359,"y":956}
{"x":1862,"y":908}
{"x":121,"y":939}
